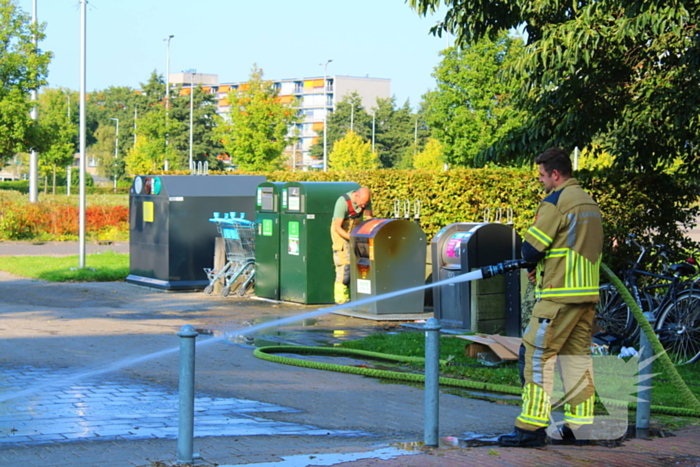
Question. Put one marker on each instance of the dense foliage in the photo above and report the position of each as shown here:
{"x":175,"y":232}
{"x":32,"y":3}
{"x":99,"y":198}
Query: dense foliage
{"x":352,"y":152}
{"x":396,"y":133}
{"x":23,"y":68}
{"x":621,"y":73}
{"x":471,"y":107}
{"x":255,"y":135}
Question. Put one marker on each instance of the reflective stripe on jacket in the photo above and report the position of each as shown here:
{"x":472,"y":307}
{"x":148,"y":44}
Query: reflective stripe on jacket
{"x":568,"y":229}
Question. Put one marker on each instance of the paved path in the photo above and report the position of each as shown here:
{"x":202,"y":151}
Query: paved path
{"x":9,"y":248}
{"x":89,"y":377}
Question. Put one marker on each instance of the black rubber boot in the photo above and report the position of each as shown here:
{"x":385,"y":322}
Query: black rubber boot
{"x":520,"y":438}
{"x":568,"y":438}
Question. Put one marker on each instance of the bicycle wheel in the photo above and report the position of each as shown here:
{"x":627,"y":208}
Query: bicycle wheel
{"x":612,"y":314}
{"x":678,"y":328}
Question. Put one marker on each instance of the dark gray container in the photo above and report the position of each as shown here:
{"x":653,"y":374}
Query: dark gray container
{"x":445,"y":251}
{"x":171,"y":240}
{"x":490,"y":306}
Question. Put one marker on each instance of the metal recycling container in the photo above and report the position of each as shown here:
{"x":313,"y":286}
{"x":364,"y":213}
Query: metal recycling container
{"x":268,"y":206}
{"x":491,"y":305}
{"x":306,"y":257}
{"x":445,"y":253}
{"x":171,"y":240}
{"x":387,"y":255}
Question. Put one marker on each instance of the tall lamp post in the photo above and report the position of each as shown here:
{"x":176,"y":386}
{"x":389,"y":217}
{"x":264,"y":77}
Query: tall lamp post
{"x":374,"y":113}
{"x":116,"y":151}
{"x":192,"y":72}
{"x":82,"y":133}
{"x":167,"y":97}
{"x":352,"y":116}
{"x":167,"y":71}
{"x":325,"y":117}
{"x":33,"y":156}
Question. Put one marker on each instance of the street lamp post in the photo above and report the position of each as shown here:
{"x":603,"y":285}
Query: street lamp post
{"x":192,"y":72}
{"x":167,"y":71}
{"x":352,"y":116}
{"x":116,"y":152}
{"x":167,"y":97}
{"x":373,"y":120}
{"x":33,"y":155}
{"x":415,"y":139}
{"x":325,"y":117}
{"x":82,"y":133}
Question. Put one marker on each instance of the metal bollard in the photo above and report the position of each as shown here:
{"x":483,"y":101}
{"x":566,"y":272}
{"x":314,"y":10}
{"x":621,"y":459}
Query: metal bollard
{"x":185,"y":431}
{"x":432,"y":381}
{"x":644,"y":395}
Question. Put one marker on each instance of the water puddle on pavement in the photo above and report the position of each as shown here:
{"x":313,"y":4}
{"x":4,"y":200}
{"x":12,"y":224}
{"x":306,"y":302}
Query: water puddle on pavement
{"x":308,"y":460}
{"x":308,"y":332}
{"x":470,"y":440}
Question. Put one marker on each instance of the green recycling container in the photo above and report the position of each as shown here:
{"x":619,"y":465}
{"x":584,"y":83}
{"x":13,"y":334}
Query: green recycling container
{"x":307,"y":272}
{"x":267,"y":240}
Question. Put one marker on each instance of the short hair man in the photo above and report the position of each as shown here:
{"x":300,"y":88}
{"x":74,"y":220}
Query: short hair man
{"x":349,"y":210}
{"x":566,"y":243}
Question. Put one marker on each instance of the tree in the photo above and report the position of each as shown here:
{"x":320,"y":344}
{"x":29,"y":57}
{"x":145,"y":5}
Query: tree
{"x":349,"y":114}
{"x":150,"y":152}
{"x":116,"y":105}
{"x":396,"y":138}
{"x":57,"y":132}
{"x":430,"y":158}
{"x":205,"y":145}
{"x":103,"y":151}
{"x":393,"y":128}
{"x":23,"y":67}
{"x":624,"y":73}
{"x":352,"y":152}
{"x":256,"y":134}
{"x":471,"y":107}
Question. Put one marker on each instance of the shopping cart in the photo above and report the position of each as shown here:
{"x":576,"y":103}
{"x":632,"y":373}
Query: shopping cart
{"x":238,"y":274}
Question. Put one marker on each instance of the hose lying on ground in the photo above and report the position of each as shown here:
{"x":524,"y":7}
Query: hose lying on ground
{"x":268,"y":353}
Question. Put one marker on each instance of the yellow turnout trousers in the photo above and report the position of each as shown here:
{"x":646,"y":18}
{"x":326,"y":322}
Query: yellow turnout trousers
{"x":558,"y":334}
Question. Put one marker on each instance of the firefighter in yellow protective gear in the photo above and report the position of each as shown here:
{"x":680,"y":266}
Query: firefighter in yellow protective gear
{"x":566,"y":243}
{"x":348,"y":212}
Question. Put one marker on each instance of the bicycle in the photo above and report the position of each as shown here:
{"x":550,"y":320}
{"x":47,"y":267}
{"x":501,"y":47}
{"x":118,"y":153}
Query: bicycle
{"x":673,"y":301}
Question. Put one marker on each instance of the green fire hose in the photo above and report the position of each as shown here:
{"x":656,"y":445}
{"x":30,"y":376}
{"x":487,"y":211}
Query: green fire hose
{"x":268,"y":353}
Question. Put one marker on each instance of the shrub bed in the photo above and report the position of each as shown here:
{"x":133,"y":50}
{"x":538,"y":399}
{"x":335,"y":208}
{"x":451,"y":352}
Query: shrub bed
{"x":21,"y":220}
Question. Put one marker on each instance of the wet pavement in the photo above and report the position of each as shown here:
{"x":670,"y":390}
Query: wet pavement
{"x":123,"y":411}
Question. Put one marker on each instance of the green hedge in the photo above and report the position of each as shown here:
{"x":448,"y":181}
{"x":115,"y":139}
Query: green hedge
{"x":655,"y":207}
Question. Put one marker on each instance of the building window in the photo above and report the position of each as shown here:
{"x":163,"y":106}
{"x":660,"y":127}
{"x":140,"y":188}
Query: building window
{"x":92,"y":162}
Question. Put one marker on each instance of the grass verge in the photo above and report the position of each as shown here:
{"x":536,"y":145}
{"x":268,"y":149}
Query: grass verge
{"x":410,"y":343}
{"x":102,"y":267}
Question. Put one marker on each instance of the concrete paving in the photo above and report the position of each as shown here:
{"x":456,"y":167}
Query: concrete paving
{"x":89,"y":377}
{"x":12,"y":248}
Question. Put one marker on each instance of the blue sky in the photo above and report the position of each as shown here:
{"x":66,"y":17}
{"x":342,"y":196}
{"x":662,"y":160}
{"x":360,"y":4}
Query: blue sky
{"x":287,"y":39}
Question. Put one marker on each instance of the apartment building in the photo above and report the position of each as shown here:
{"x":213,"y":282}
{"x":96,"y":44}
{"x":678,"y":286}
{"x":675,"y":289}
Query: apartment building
{"x":316,"y":97}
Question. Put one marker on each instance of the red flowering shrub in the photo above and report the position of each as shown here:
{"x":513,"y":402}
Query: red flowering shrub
{"x":20,"y":220}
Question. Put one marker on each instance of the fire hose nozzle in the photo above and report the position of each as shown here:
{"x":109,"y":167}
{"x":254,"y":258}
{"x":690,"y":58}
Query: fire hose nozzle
{"x":504,"y":267}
